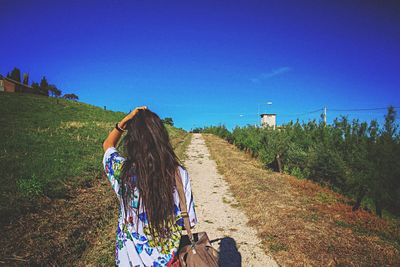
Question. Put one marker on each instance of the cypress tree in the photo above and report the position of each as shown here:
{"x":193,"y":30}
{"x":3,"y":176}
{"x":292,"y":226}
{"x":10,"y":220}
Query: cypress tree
{"x":44,"y":86}
{"x":26,"y":78}
{"x":16,"y":75}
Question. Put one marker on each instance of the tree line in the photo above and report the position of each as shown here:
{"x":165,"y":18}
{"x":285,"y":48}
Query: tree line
{"x":358,"y":159}
{"x":42,"y":88}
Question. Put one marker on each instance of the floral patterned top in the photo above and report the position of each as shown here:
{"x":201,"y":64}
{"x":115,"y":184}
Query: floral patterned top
{"x":134,"y":244}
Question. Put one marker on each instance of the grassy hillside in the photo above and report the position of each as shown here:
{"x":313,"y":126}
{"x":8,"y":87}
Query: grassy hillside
{"x":47,"y":146}
{"x":51,"y":153}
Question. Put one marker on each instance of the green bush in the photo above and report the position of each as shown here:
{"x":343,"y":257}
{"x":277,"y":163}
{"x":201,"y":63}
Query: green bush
{"x":355,"y":158}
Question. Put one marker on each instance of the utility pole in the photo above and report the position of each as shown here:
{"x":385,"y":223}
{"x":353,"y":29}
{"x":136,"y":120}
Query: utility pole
{"x":325,"y":116}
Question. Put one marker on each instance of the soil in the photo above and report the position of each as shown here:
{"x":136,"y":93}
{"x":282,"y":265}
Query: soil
{"x":217,"y":212}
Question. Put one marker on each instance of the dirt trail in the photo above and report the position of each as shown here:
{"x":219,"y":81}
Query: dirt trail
{"x":216,"y":212}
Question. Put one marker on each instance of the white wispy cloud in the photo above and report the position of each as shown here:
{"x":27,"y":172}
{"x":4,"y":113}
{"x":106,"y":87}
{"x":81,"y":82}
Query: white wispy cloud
{"x":272,"y":73}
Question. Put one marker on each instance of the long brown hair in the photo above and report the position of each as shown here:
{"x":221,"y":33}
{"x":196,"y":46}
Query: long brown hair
{"x":151,"y":158}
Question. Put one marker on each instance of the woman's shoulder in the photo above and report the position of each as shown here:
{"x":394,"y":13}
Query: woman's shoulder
{"x":112,"y":152}
{"x":184,"y":175}
{"x":112,"y":158}
{"x":182,"y":170}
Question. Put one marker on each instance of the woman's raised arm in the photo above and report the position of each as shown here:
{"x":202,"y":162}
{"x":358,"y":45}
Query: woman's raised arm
{"x":114,"y":136}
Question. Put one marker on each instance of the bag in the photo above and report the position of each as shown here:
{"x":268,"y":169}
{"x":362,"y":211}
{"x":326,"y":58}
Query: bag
{"x":195,"y":249}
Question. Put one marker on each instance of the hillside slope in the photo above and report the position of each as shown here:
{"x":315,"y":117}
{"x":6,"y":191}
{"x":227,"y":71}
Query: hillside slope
{"x":47,"y":146}
{"x":52,"y":181}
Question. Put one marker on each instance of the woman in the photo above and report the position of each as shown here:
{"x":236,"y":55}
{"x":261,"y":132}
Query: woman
{"x":149,"y":222}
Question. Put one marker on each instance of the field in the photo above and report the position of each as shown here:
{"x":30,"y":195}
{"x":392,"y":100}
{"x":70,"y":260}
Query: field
{"x":300,"y":222}
{"x":57,"y":207}
{"x":52,"y":179}
{"x":354,"y":158}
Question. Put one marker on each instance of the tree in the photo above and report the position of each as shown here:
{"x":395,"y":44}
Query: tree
{"x":26,"y":79}
{"x":197,"y":130}
{"x":168,"y":120}
{"x":387,"y":158}
{"x":54,"y":91}
{"x":71,"y":97}
{"x":390,"y":126}
{"x":35,"y":86}
{"x":57,"y":93}
{"x":16,"y":75}
{"x":44,"y":86}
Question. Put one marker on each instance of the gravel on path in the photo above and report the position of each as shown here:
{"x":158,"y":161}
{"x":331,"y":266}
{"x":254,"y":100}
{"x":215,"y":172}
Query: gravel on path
{"x":217,"y":212}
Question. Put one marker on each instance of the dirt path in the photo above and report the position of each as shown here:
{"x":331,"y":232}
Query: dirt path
{"x":216,"y":212}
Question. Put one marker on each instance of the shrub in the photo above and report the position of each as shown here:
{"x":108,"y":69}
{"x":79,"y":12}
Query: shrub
{"x":355,"y":158}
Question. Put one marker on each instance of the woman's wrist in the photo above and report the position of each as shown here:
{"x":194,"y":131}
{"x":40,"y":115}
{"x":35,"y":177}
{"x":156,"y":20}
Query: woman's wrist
{"x":122,"y":124}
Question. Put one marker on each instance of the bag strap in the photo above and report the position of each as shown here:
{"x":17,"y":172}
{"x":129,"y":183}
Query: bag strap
{"x":182,"y":204}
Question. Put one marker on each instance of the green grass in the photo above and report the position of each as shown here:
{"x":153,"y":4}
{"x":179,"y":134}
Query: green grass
{"x":49,"y":146}
{"x":180,"y":140}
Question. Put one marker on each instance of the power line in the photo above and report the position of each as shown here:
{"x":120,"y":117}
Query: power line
{"x":300,"y":114}
{"x":244,"y":115}
{"x":360,"y":109}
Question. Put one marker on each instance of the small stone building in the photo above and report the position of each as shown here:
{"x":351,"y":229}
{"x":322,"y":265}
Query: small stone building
{"x":268,"y":120}
{"x":6,"y":85}
{"x":11,"y":86}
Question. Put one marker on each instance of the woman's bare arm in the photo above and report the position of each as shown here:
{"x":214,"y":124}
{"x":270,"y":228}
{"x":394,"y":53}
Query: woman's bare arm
{"x":114,"y":136}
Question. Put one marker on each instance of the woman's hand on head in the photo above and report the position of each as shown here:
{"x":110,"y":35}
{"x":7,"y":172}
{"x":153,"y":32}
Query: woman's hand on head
{"x":133,"y":113}
{"x":114,"y":135}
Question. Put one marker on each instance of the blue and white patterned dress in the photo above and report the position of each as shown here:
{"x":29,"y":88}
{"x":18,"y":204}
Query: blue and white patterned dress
{"x":134,"y":245}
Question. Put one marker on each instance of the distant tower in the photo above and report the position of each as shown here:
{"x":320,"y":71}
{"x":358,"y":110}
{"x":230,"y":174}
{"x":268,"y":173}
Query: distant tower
{"x":268,"y":120}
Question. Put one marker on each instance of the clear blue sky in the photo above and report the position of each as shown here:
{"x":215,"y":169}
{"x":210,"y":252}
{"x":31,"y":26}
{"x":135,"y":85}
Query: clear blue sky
{"x":210,"y":62}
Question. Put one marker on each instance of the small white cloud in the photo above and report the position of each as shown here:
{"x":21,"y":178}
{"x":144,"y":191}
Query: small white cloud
{"x":273,"y":73}
{"x":276,"y":72}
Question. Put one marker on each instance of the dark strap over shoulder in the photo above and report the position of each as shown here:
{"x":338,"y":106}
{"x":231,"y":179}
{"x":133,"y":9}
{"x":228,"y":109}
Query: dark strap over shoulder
{"x":182,"y":204}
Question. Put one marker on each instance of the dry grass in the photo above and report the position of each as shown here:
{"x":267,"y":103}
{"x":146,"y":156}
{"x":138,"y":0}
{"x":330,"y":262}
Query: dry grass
{"x":57,"y":234}
{"x":68,"y":125}
{"x":79,"y":230}
{"x":302,"y":223}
